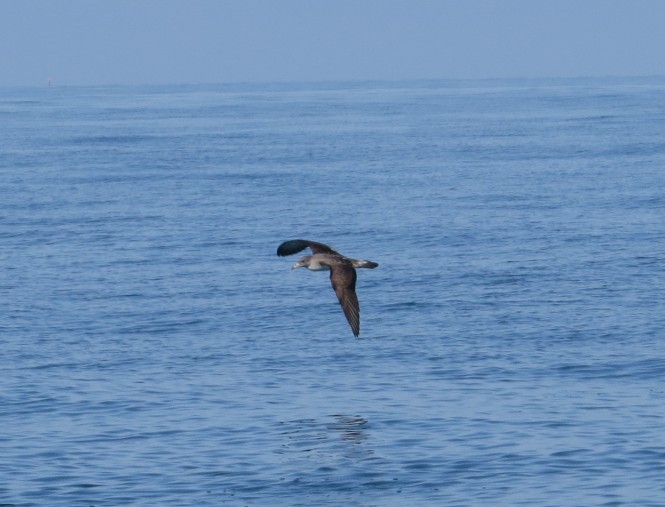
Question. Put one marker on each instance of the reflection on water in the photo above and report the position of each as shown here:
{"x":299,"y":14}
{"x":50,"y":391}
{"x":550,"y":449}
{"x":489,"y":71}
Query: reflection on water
{"x":308,"y":435}
{"x":351,"y":429}
{"x":329,"y":456}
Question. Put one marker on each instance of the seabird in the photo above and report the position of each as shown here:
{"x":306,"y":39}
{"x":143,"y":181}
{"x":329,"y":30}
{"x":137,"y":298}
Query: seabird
{"x":342,"y":273}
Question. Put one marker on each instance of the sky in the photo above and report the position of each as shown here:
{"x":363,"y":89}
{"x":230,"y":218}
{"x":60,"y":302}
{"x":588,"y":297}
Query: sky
{"x":103,"y":42}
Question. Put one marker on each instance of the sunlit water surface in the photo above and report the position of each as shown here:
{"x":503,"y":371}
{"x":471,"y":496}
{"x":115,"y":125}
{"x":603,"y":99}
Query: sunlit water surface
{"x":156,"y":351}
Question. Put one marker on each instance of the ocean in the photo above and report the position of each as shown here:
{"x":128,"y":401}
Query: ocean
{"x":156,"y":351}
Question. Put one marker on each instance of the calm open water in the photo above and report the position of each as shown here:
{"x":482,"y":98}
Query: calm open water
{"x":156,"y":351}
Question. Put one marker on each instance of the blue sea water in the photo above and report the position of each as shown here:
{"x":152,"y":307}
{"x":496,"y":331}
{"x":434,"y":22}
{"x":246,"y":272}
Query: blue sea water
{"x":156,"y":351}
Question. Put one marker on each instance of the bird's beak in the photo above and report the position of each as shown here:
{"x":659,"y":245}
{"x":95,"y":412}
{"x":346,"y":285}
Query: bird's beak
{"x":296,"y":265}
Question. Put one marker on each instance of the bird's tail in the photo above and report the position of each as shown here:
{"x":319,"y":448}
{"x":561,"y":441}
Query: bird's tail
{"x":358,"y":263}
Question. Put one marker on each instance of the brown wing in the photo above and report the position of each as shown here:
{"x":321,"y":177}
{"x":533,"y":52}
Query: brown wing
{"x":296,"y":245}
{"x":343,"y":279}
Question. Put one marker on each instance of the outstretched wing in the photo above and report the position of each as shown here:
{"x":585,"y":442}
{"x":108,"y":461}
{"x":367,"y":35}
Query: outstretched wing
{"x":296,"y":245}
{"x":343,"y":279}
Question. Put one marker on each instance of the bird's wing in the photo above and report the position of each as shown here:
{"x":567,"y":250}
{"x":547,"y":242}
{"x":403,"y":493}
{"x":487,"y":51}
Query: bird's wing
{"x":343,"y":279}
{"x":296,"y":245}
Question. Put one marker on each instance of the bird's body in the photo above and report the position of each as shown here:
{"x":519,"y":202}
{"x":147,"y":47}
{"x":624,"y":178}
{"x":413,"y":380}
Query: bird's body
{"x":342,"y":273}
{"x":319,"y":262}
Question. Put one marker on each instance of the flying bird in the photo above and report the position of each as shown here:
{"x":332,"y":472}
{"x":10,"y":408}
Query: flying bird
{"x":342,"y":273}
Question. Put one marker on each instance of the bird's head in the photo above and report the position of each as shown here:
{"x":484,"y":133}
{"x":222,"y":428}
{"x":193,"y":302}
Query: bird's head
{"x":302,"y":263}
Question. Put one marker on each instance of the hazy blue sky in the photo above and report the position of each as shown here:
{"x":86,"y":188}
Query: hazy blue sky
{"x":218,"y":41}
